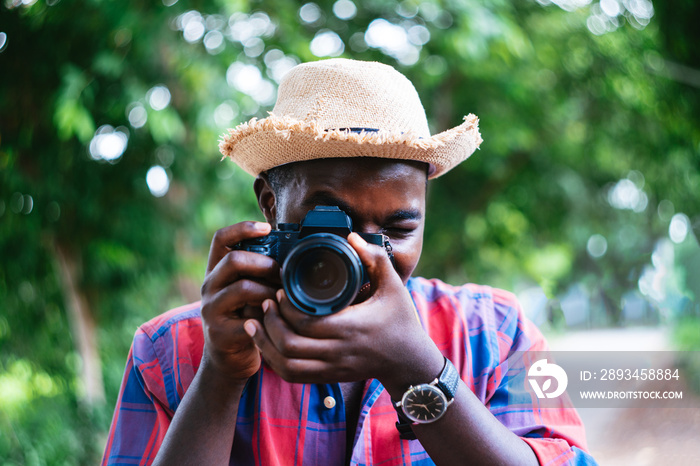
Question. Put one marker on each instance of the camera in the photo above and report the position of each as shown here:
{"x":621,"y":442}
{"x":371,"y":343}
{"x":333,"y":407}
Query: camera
{"x":321,"y":273}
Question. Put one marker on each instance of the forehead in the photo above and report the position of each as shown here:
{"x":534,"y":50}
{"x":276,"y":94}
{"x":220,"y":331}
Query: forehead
{"x":351,"y":173}
{"x":364,"y":183}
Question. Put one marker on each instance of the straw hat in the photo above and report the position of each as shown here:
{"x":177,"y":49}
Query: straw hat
{"x":347,"y":108}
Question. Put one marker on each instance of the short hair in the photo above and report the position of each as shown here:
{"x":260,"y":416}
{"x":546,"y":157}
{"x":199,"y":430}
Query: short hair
{"x":280,"y":176}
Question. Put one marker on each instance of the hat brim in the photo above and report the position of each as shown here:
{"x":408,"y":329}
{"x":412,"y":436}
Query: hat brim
{"x":259,"y":145}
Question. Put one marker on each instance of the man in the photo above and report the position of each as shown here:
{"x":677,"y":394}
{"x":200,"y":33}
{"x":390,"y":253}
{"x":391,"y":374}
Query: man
{"x":246,"y":378}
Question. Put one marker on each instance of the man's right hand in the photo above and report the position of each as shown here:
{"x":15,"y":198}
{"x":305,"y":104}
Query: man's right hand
{"x":236,"y":284}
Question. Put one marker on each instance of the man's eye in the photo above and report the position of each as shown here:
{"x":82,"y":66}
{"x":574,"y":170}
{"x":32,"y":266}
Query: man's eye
{"x":395,"y":232}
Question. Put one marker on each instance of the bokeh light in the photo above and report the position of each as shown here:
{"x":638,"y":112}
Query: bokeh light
{"x":679,"y":228}
{"x":158,"y":97}
{"x":225,"y":113}
{"x":407,"y":9}
{"x":21,"y":203}
{"x":244,"y":27}
{"x":418,"y":34}
{"x":108,"y":143}
{"x":18,"y":3}
{"x":157,"y":181}
{"x":253,"y":47}
{"x":568,"y":5}
{"x":655,"y":278}
{"x":245,"y":78}
{"x":357,"y":42}
{"x":165,"y":155}
{"x":278,"y":64}
{"x":310,"y":13}
{"x":597,"y":246}
{"x":626,"y":194}
{"x":642,"y":10}
{"x":192,"y":26}
{"x":344,"y":9}
{"x":249,"y":80}
{"x":214,"y":42}
{"x":137,"y":115}
{"x":607,"y":15}
{"x":327,"y":43}
{"x":393,"y":40}
{"x":610,"y":7}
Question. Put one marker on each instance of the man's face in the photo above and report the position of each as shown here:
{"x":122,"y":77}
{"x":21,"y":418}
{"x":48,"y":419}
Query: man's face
{"x":380,"y":196}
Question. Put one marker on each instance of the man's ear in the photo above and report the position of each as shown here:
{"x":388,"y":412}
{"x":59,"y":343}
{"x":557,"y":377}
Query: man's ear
{"x":267,"y":200}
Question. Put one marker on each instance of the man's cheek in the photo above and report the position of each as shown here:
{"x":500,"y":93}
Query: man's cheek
{"x":405,"y":266}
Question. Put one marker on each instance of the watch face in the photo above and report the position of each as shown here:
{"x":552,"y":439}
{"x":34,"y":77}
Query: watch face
{"x":424,"y":403}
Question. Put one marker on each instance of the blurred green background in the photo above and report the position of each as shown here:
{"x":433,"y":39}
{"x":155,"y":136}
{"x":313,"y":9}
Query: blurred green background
{"x":583,"y":199}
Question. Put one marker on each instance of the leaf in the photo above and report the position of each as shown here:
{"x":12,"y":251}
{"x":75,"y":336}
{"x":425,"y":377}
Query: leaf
{"x":72,"y":118}
{"x":546,"y":385}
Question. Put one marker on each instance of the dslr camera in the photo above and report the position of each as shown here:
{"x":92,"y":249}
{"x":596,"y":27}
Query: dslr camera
{"x":321,"y":273}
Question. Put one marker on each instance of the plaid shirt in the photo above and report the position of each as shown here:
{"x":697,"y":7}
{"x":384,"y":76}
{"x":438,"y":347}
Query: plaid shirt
{"x":280,"y":423}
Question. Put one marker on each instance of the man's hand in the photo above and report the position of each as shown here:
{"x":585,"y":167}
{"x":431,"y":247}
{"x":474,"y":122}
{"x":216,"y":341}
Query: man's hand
{"x":235,"y":286}
{"x":379,"y":338}
{"x":236,"y":283}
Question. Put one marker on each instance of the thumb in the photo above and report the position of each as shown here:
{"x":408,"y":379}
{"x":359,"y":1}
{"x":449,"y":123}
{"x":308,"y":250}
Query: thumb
{"x":375,"y":259}
{"x":383,"y":277}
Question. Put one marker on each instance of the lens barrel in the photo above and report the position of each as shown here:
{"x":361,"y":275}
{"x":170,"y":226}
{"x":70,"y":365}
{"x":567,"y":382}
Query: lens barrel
{"x":322,"y":274}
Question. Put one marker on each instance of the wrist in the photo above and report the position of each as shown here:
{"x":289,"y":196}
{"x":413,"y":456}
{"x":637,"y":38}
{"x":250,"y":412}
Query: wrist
{"x":423,"y":367}
{"x":219,"y":386}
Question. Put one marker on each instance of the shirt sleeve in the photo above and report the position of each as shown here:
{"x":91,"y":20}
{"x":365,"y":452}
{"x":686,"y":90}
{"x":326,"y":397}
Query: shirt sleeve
{"x":140,"y":419}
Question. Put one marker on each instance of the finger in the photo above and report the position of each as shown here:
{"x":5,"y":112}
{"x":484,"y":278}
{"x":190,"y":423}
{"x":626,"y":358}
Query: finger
{"x":223,"y":337}
{"x":289,"y":343}
{"x":325,"y":327}
{"x":295,"y":370}
{"x":238,"y":264}
{"x":227,"y":237}
{"x":375,"y":259}
{"x":241,"y":299}
{"x":385,"y":281}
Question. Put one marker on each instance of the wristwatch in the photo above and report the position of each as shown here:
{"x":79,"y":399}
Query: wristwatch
{"x":428,"y":402}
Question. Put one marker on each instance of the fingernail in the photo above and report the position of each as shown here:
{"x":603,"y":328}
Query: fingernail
{"x":279,"y":295}
{"x":261,"y":226}
{"x":249,"y":328}
{"x":266,"y":305}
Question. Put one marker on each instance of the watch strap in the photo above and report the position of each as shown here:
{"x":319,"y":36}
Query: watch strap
{"x":448,"y":381}
{"x":405,"y":430}
{"x":403,"y":425}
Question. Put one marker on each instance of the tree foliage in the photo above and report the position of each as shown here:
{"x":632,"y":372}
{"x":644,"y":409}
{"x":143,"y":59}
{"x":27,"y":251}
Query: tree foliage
{"x":591,"y":152}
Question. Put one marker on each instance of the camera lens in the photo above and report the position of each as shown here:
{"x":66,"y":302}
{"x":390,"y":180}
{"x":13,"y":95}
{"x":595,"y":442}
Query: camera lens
{"x":322,"y":274}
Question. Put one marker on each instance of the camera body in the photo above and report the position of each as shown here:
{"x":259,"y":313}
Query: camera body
{"x":321,"y":273}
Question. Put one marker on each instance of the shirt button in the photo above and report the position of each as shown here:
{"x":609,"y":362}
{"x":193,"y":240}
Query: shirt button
{"x":329,"y":402}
